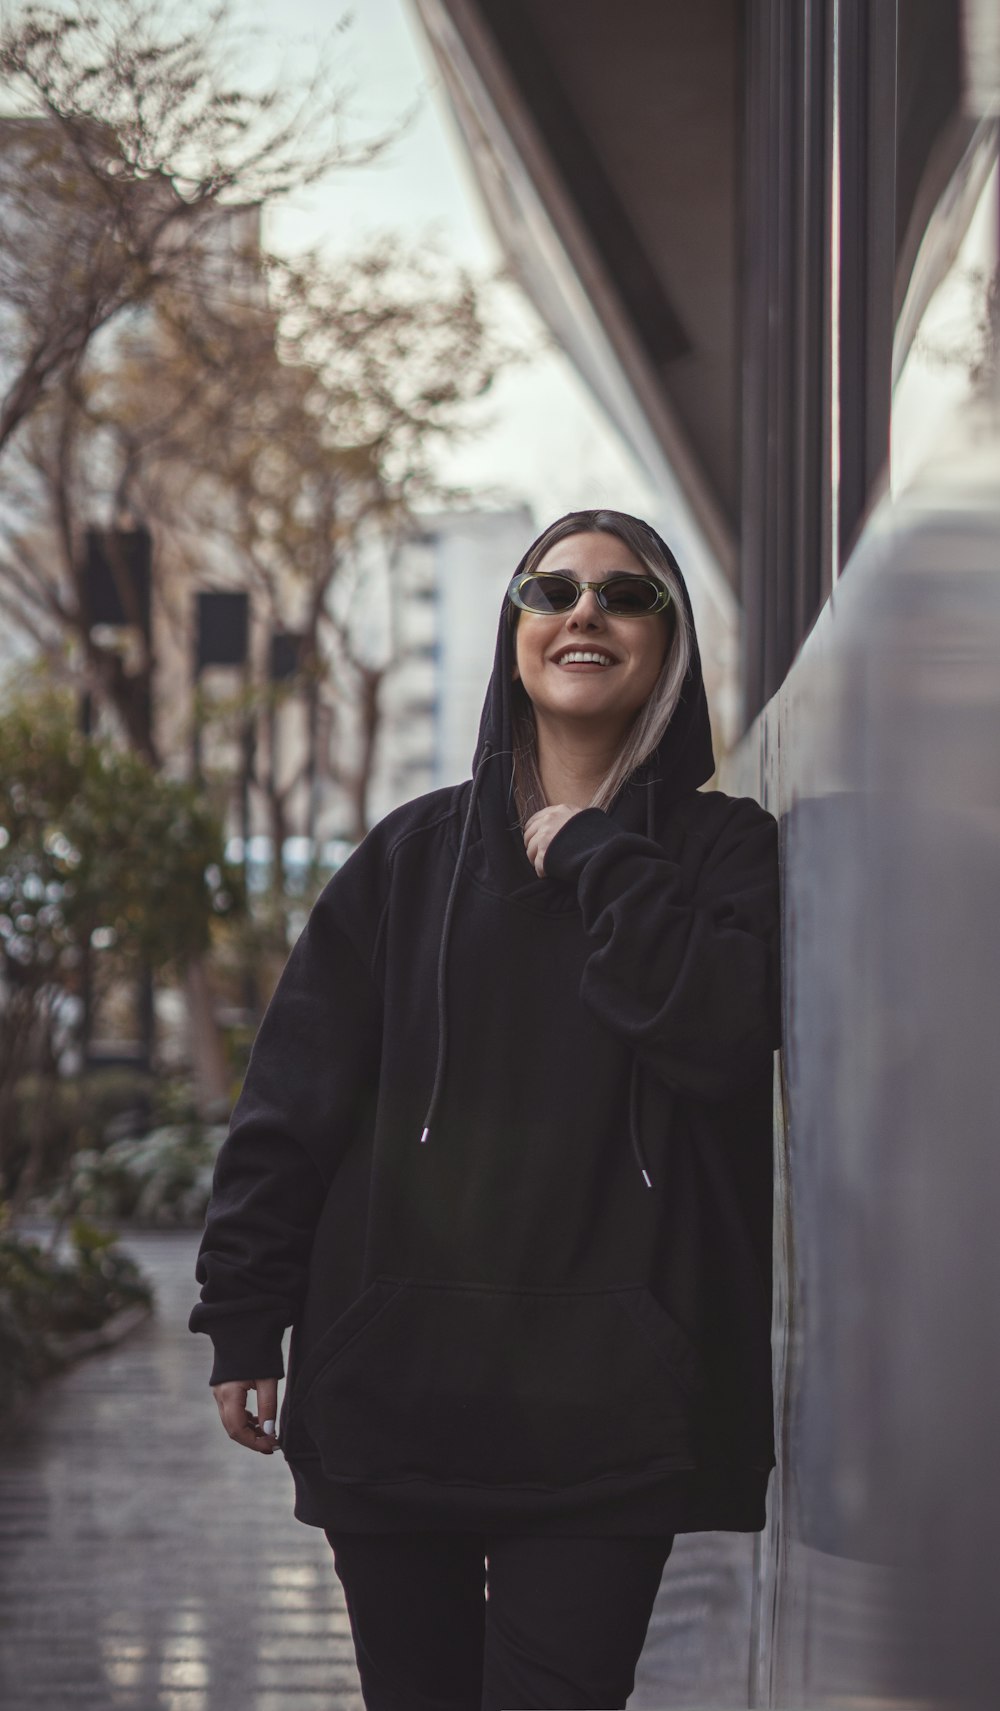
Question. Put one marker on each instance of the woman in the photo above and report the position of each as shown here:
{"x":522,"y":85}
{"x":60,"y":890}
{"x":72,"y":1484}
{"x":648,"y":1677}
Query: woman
{"x":502,"y":1160}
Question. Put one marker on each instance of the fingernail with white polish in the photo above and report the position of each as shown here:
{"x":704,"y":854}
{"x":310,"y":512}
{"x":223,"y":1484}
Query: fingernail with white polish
{"x":269,"y":1428}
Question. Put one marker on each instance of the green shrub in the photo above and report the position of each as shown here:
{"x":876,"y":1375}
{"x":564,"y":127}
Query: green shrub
{"x":43,"y":1300}
{"x":163,"y":1179}
{"x":54,"y":1119}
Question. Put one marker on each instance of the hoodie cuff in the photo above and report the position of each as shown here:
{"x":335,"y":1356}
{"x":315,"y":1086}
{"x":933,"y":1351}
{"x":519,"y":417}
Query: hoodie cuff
{"x":246,"y":1349}
{"x":575,"y":843}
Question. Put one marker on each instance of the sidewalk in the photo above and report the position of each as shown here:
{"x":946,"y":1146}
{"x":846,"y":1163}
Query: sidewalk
{"x":147,"y":1564}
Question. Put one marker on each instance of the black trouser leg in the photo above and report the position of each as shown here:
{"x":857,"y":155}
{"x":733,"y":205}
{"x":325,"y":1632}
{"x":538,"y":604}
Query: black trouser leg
{"x":416,"y":1603}
{"x":566,"y":1620}
{"x":563,"y":1627}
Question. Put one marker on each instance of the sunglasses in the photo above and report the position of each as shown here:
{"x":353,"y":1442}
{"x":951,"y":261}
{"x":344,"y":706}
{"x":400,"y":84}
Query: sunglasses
{"x":550,"y":591}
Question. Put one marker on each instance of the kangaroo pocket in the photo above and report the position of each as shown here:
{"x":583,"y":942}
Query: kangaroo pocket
{"x":476,"y":1385}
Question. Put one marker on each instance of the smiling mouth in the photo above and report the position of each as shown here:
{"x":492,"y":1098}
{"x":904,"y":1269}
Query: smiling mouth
{"x":585,"y":657}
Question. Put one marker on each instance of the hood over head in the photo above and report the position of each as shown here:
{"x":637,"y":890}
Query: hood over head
{"x":682,"y":761}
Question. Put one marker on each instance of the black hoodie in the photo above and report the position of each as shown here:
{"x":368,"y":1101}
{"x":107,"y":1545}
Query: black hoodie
{"x":502,"y":1159}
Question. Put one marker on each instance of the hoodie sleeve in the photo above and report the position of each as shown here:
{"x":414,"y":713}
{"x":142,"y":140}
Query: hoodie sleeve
{"x":308,"y":1087}
{"x":689,"y":978}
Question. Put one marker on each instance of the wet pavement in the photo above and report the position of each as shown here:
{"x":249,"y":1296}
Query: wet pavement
{"x":148,"y":1564}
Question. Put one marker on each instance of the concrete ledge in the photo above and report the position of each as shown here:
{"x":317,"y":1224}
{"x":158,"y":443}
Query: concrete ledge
{"x":76,"y":1345}
{"x":71,"y":1348}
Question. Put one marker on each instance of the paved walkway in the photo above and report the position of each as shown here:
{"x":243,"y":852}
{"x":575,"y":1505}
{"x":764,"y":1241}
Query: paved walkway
{"x":147,"y":1564}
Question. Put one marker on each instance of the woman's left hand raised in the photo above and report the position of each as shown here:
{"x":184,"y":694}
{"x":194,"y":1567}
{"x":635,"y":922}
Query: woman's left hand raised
{"x":541,"y":829}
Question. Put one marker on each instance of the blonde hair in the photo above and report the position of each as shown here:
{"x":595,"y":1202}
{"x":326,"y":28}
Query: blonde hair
{"x":658,"y":709}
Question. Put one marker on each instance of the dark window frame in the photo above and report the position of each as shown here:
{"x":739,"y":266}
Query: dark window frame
{"x":798,"y":525}
{"x":867,"y":72}
{"x":785,"y":476}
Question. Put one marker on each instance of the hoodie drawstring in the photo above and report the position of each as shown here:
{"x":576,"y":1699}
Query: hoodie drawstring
{"x":442,"y":981}
{"x":633,"y":1087}
{"x":449,"y":909}
{"x":633,"y":1122}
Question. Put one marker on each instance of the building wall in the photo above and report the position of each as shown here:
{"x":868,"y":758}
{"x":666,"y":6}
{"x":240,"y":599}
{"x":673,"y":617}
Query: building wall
{"x":876,"y":1574}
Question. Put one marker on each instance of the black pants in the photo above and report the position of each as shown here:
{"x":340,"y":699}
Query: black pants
{"x":562,"y":1623}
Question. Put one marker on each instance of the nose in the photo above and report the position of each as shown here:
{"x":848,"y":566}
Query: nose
{"x":586,"y":614}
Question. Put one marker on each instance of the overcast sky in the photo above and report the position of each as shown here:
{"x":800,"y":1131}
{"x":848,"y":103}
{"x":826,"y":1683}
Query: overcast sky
{"x":549,"y":444}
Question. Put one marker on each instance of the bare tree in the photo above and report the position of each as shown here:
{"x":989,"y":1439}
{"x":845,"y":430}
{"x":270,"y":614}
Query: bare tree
{"x":302,"y":432}
{"x":127,"y":144}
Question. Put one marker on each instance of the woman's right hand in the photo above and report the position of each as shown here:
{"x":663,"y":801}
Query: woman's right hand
{"x":243,"y":1427}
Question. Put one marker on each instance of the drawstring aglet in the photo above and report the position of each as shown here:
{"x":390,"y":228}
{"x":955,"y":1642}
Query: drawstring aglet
{"x":645,"y":1176}
{"x":424,"y":1136}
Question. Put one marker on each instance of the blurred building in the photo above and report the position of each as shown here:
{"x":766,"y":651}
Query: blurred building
{"x":407,"y":723}
{"x":453,"y":577}
{"x":766,"y":232}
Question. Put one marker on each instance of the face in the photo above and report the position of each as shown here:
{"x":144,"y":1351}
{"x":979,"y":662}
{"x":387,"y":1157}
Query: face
{"x":607,"y":690}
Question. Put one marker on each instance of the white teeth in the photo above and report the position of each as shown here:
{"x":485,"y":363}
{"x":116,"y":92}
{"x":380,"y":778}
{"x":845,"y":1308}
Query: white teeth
{"x":584,"y":659}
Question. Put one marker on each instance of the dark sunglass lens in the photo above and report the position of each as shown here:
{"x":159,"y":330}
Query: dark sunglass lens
{"x":629,"y":596}
{"x":548,"y":593}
